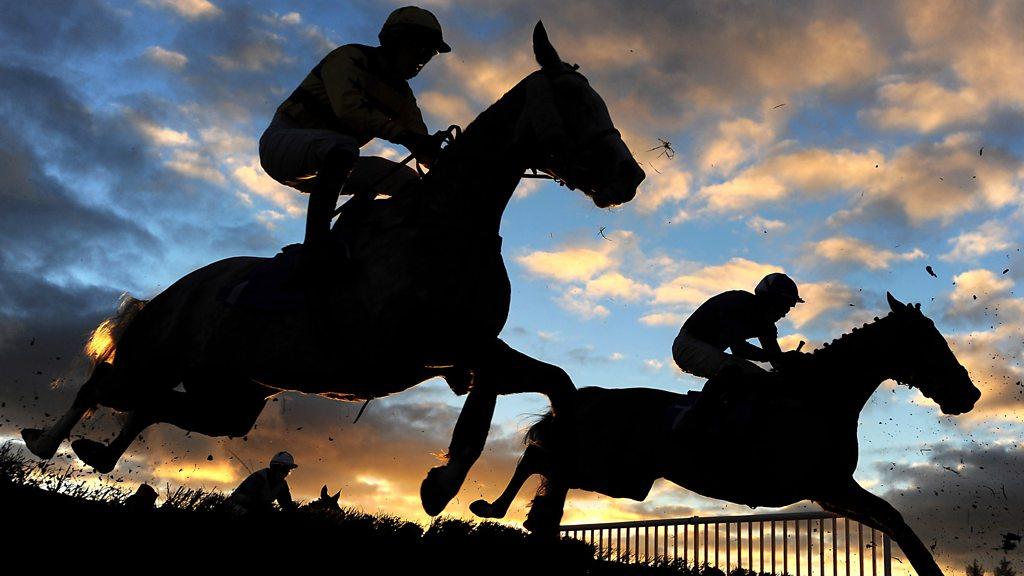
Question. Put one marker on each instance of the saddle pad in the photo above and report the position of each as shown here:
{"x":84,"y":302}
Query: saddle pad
{"x":675,"y":412}
{"x":271,"y":286}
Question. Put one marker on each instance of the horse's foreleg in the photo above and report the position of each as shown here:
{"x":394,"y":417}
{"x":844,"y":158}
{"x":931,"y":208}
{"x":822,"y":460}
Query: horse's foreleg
{"x":44,"y":443}
{"x":857,"y":503}
{"x":531,"y":463}
{"x":502,"y":371}
{"x":104,"y":457}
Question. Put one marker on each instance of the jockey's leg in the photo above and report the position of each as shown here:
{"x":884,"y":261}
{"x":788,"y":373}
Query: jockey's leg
{"x":104,"y":457}
{"x":44,"y":443}
{"x":505,"y":371}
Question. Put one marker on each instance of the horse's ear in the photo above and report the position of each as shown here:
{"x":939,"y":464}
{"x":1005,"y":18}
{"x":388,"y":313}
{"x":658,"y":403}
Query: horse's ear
{"x":323,"y":492}
{"x":894,"y":304}
{"x":336,"y":496}
{"x":545,"y":53}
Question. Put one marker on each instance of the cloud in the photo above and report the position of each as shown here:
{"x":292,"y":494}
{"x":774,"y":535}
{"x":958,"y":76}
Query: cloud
{"x":737,"y":141}
{"x":188,"y":9}
{"x":668,"y":187}
{"x":930,"y":181}
{"x":819,"y":299}
{"x":252,"y":176}
{"x":925,"y":107}
{"x":166,"y":58}
{"x":764,"y":225}
{"x":978,"y":46}
{"x":162,"y":135}
{"x":694,"y":288}
{"x":663,"y":319}
{"x":965,"y":511}
{"x":574,"y":264}
{"x":847,"y":249}
{"x":813,"y":173}
{"x":975,"y":289}
{"x":59,"y":28}
{"x":991,"y":236}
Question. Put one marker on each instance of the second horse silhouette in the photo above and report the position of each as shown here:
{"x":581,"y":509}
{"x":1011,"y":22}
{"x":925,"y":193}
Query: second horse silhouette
{"x":619,"y":441}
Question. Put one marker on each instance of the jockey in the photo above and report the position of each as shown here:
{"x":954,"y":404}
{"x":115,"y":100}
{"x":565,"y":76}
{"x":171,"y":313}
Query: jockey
{"x":356,"y":93}
{"x":728,"y":320}
{"x":257,"y":493}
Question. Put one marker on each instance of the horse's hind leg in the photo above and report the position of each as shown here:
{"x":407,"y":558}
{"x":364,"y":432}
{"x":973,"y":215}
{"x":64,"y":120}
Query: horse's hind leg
{"x":504,"y":371}
{"x":103,"y":457}
{"x":547,"y":507}
{"x":44,"y":443}
{"x":855,"y":502}
{"x":534,"y":461}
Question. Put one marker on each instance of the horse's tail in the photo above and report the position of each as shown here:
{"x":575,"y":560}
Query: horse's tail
{"x":102,"y":344}
{"x":542,"y":433}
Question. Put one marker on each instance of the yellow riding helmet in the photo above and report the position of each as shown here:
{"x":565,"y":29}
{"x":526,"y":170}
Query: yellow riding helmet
{"x":414,"y":18}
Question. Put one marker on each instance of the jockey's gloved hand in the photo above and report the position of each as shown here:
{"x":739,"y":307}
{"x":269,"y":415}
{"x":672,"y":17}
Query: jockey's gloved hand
{"x":790,"y":361}
{"x":424,"y":146}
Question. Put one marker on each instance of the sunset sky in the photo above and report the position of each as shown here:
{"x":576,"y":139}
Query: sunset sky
{"x":849,"y":144}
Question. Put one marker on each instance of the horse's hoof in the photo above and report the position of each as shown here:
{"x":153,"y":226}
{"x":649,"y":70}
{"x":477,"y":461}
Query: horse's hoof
{"x":438,"y":488}
{"x":95,"y":454}
{"x":38,"y":443}
{"x":484,"y":509}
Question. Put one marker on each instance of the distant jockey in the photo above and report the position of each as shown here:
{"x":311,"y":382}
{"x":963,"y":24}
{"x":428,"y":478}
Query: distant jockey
{"x":257,"y":493}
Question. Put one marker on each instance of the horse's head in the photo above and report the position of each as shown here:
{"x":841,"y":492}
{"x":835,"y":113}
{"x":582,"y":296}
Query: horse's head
{"x":326,"y":502}
{"x":577,"y":141}
{"x":927,"y":362}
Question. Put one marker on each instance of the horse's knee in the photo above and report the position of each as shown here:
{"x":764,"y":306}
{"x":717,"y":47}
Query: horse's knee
{"x":91,"y":392}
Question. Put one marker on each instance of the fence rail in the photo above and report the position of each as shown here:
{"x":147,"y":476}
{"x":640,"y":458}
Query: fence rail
{"x":805,"y":537}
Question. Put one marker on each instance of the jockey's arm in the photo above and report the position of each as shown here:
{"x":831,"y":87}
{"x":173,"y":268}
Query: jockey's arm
{"x":748,"y":351}
{"x":284,"y":499}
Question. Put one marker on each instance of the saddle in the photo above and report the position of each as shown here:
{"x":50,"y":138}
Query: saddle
{"x":271,"y":286}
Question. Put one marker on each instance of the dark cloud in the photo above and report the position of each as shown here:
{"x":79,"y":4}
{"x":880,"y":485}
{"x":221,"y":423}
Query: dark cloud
{"x":58,"y":28}
{"x":962,"y":499}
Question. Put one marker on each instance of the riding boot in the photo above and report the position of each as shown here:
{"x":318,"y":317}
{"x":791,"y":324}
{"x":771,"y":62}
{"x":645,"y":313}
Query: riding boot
{"x":315,"y":268}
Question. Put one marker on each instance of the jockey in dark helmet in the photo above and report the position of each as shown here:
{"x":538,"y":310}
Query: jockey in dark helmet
{"x":356,"y":93}
{"x":728,"y":320}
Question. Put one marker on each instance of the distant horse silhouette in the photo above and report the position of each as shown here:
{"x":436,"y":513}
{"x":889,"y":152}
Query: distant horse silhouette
{"x":779,"y":447}
{"x":325,"y":503}
{"x":426,"y":294}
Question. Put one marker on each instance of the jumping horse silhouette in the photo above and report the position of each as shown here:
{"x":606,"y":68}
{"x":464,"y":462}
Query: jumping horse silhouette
{"x":425,"y":294}
{"x":619,"y":441}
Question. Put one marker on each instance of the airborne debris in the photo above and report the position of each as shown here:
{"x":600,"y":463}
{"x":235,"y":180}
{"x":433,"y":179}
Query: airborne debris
{"x":931,"y":272}
{"x":666,"y":149}
{"x":777,"y":106}
{"x":1005,"y":271}
{"x":980,"y":150}
{"x":601,"y":233}
{"x":1010,"y":541}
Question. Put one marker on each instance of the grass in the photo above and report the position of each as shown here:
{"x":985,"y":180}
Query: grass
{"x":39,"y":501}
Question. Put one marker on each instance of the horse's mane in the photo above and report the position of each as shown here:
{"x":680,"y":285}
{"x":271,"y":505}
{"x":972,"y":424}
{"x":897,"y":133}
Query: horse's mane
{"x":498,"y":112}
{"x":857,"y":338}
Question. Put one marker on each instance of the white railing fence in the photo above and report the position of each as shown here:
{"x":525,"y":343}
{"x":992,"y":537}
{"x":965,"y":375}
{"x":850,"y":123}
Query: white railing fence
{"x":798,"y":543}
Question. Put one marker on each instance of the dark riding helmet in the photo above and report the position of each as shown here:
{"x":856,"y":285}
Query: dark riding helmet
{"x":414,"y":24}
{"x":780,"y":286}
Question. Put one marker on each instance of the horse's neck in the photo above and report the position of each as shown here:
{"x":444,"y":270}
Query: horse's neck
{"x":856,"y":363}
{"x":476,"y":177}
